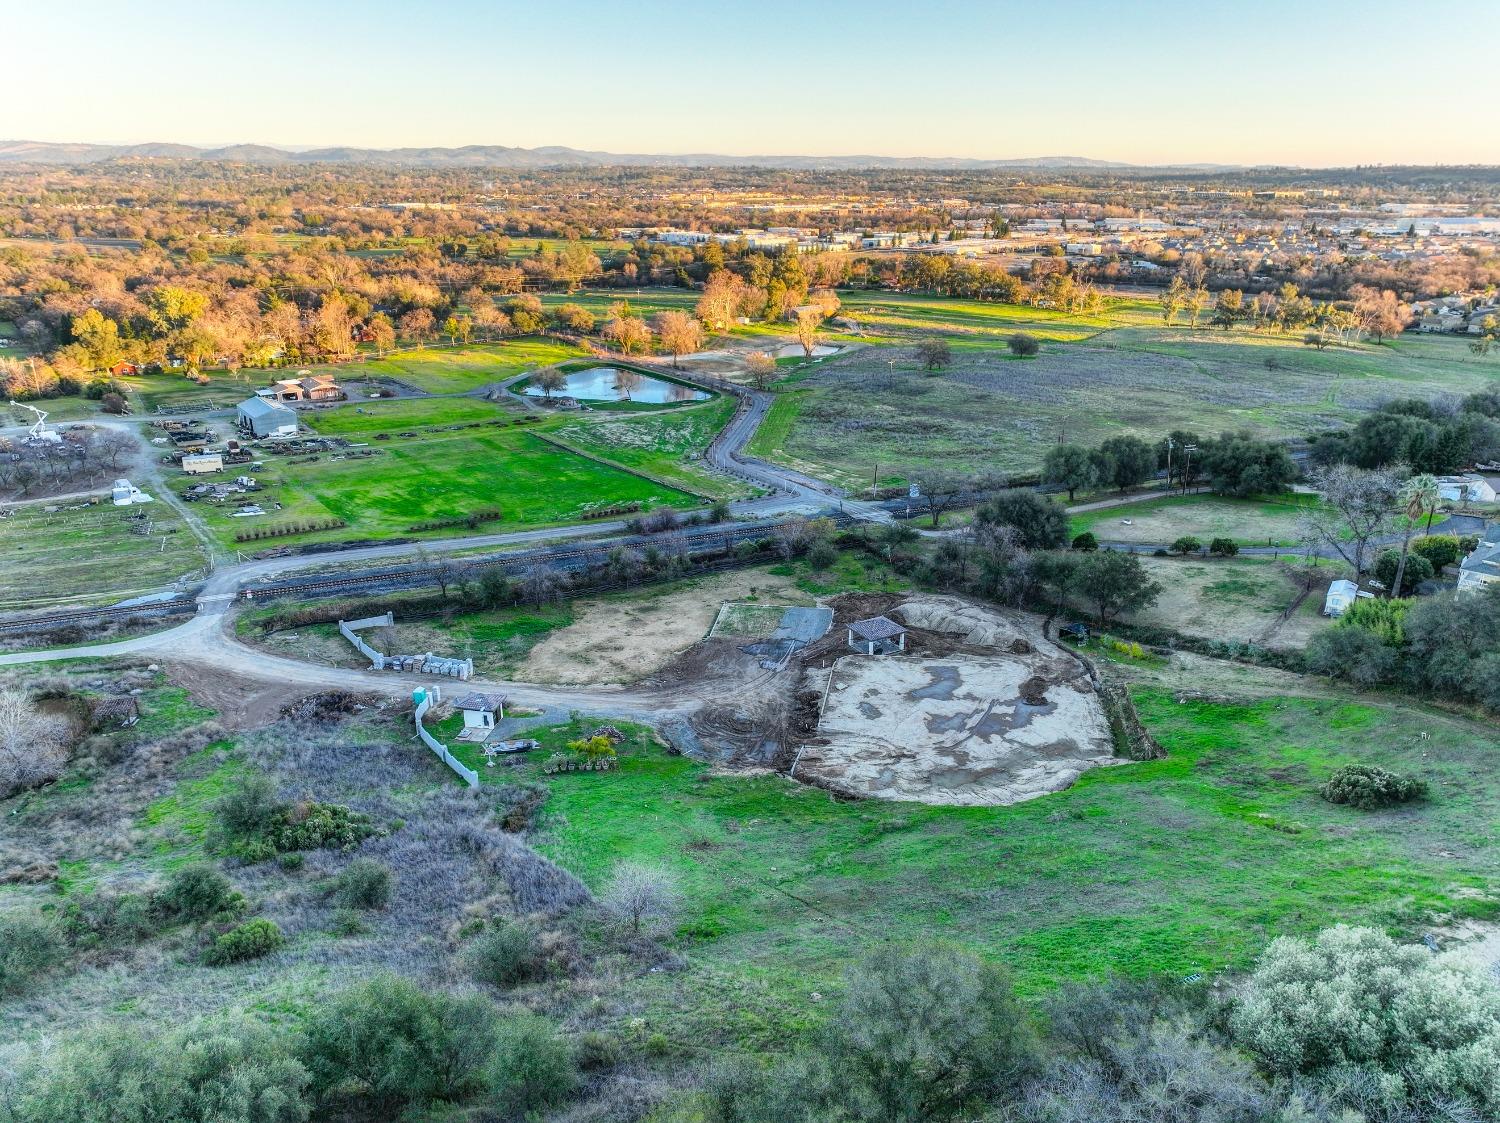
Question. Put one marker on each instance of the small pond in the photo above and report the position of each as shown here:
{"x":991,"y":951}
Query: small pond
{"x":614,"y":384}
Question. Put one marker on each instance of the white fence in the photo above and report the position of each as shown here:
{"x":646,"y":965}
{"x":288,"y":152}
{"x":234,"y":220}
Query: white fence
{"x":468,"y":775}
{"x":428,"y":664}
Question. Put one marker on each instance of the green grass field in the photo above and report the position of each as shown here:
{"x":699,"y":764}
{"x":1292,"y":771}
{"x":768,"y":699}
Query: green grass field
{"x":1270,"y":521}
{"x":1095,"y":377}
{"x":398,"y":415}
{"x":436,"y":475}
{"x":91,"y":556}
{"x":662,"y":444}
{"x":1186,"y":864}
{"x":457,"y":370}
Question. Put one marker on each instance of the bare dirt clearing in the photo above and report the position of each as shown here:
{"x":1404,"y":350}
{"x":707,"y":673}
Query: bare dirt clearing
{"x":623,"y":639}
{"x":1008,"y":718}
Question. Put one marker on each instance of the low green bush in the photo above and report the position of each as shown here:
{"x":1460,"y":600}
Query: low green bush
{"x":1085,"y":541}
{"x":1187,"y":544}
{"x":250,"y":940}
{"x":533,"y":1067}
{"x":363,"y":884}
{"x":30,"y":948}
{"x":1224,"y":547}
{"x":505,"y":954}
{"x":197,"y":893}
{"x":1369,"y":788}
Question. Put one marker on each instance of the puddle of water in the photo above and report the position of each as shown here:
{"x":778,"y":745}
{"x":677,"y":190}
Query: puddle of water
{"x":945,"y":680}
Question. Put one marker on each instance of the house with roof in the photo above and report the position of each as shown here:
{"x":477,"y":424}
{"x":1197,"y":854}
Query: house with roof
{"x":1482,"y":566}
{"x":306,"y":387}
{"x":1466,"y":489}
{"x":879,"y":635}
{"x":262,"y":417}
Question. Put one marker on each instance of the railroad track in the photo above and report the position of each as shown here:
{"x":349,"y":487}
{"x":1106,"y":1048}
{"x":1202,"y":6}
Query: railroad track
{"x":78,"y":616}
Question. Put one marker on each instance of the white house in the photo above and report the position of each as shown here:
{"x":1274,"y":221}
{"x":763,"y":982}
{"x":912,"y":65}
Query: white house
{"x":1482,"y":566}
{"x":1341,"y":594}
{"x":481,"y":711}
{"x":1466,"y":489}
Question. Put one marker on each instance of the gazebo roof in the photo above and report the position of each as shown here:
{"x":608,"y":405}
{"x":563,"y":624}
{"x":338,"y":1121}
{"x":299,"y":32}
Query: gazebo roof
{"x":485,"y":703}
{"x":876,"y":628}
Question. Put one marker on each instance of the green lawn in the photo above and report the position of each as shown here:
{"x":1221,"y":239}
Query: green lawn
{"x":1187,"y":864}
{"x":454,"y":370}
{"x":91,"y":556}
{"x":437,"y":475}
{"x":397,"y":415}
{"x":963,"y":320}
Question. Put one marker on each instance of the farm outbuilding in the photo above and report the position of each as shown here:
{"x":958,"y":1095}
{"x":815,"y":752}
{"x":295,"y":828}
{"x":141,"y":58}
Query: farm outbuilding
{"x":261,"y":417}
{"x":480,"y":710}
{"x":879,"y":635}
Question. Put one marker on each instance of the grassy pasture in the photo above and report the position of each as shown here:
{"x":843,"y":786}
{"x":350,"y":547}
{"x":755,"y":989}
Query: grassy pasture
{"x":1094,"y":378}
{"x":1268,"y":521}
{"x":396,"y":415}
{"x":1186,"y":864}
{"x":457,"y":370}
{"x":662,"y":444}
{"x":91,"y":556}
{"x":438,"y":475}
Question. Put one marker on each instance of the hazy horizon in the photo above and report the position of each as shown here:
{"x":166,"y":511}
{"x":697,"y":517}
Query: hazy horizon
{"x":1334,"y":83}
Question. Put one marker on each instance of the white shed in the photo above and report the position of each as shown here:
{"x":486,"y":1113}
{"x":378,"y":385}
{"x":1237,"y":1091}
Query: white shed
{"x":1341,"y":594}
{"x":1466,"y":489}
{"x":481,"y":711}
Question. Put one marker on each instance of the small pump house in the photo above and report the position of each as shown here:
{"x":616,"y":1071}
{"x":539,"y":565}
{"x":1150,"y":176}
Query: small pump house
{"x":481,"y":711}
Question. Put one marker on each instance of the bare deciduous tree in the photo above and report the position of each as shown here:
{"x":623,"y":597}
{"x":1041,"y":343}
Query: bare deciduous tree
{"x":1360,"y":507}
{"x":32,"y":743}
{"x":645,"y":897}
{"x":761,"y":366}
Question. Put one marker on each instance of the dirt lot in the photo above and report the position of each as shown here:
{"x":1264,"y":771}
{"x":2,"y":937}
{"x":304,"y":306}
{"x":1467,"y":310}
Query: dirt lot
{"x":1248,"y":522}
{"x":620,"y":640}
{"x":1005,"y":717}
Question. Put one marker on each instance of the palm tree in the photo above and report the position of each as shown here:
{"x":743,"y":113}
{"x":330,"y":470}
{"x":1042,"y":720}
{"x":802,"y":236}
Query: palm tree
{"x":1418,"y":496}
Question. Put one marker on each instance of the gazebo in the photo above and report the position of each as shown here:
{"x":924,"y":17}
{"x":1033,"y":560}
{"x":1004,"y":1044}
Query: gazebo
{"x":879,"y":635}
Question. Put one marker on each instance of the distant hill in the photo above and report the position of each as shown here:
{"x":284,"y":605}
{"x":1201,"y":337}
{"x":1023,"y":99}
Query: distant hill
{"x":500,"y":156}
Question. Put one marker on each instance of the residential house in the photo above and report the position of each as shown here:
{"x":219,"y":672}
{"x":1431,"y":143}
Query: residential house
{"x":1466,"y":489}
{"x":306,"y":387}
{"x":1482,"y":566}
{"x":261,"y":417}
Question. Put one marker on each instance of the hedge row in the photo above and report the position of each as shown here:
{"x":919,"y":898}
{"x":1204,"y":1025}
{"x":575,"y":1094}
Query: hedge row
{"x":284,"y":530}
{"x":483,"y":515}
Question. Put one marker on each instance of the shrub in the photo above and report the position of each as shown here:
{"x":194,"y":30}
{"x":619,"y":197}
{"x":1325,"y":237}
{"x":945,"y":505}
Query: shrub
{"x":1039,"y":521}
{"x":821,"y":555}
{"x":348,"y":922}
{"x":1382,"y":617}
{"x":1418,"y":569}
{"x":388,"y":1043}
{"x":1023,"y":346}
{"x":507,"y":954}
{"x":1368,"y":788}
{"x":1439,"y":549}
{"x":1085,"y":541}
{"x":920,"y":1034}
{"x":29,"y":949}
{"x":1427,"y":1028}
{"x":363,"y":884}
{"x":1353,"y":654}
{"x":250,"y":940}
{"x":205,"y":1072}
{"x":317,"y":826}
{"x":532,"y":1068}
{"x":248,"y":810}
{"x":101,"y":919}
{"x":196,"y":893}
{"x":595,"y":1051}
{"x":1224,"y":547}
{"x":1187,"y":544}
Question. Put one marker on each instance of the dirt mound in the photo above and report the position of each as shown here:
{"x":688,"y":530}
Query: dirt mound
{"x":979,"y":626}
{"x":1034,"y":691}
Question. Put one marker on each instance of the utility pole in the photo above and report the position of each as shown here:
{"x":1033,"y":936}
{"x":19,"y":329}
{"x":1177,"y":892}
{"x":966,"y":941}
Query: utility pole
{"x":1189,"y":450}
{"x":1171,"y":444}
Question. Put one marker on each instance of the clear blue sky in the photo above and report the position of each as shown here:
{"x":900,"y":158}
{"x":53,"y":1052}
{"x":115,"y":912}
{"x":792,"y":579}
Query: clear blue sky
{"x":1314,"y":82}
